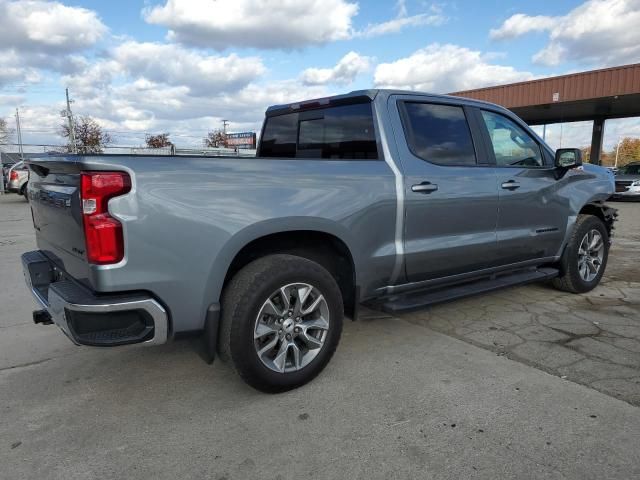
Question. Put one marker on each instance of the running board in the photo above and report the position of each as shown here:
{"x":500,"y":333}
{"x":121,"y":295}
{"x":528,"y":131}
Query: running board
{"x":416,"y":300}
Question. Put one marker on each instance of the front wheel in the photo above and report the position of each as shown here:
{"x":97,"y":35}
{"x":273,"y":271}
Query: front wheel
{"x":281,"y":321}
{"x":585,"y":257}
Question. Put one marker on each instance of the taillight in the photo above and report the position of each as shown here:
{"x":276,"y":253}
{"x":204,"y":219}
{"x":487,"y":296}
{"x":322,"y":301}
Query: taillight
{"x":102,"y":232}
{"x":14,"y":175}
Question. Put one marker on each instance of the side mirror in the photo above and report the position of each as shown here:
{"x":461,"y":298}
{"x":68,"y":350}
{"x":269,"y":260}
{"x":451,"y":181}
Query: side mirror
{"x":568,"y":157}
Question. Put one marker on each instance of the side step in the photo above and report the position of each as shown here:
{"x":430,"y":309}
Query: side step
{"x":416,"y":300}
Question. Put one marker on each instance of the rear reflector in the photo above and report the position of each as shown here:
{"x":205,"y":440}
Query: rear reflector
{"x":102,"y":232}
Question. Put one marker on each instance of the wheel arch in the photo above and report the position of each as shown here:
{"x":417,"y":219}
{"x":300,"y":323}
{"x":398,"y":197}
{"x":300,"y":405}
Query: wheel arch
{"x":595,"y":207}
{"x":605,"y":213}
{"x":322,"y":241}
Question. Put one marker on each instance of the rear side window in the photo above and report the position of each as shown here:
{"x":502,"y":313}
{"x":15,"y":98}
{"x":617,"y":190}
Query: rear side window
{"x":438,"y":133}
{"x":279,"y":136}
{"x":341,"y":132}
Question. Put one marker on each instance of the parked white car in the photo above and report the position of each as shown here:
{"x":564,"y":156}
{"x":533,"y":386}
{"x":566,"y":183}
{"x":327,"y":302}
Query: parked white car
{"x":18,"y":178}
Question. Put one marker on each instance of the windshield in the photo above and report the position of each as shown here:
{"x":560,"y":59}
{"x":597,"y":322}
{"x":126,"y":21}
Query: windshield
{"x":630,"y":169}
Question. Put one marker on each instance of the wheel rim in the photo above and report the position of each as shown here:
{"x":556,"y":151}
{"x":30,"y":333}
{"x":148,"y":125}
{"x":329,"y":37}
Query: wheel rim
{"x":291,"y":327}
{"x":590,"y":255}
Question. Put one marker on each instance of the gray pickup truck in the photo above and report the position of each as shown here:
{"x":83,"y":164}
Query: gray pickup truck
{"x":392,"y":199}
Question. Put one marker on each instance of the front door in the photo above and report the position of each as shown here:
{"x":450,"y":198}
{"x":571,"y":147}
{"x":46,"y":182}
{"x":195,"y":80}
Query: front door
{"x":532,"y":217}
{"x":451,"y":196}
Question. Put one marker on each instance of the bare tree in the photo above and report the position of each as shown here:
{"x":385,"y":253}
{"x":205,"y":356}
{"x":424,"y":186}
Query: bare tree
{"x":4,"y":131}
{"x":158,"y":141}
{"x":89,"y":136}
{"x":215,"y":138}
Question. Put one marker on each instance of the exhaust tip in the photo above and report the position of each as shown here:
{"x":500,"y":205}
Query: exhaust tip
{"x":42,"y":316}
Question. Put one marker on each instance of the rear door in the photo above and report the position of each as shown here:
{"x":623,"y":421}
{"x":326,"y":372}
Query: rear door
{"x":451,"y":197}
{"x":532,"y":216}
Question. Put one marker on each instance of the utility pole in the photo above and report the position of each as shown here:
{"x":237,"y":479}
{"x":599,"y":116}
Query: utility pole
{"x":19,"y":134}
{"x":617,"y":151}
{"x":72,"y":132}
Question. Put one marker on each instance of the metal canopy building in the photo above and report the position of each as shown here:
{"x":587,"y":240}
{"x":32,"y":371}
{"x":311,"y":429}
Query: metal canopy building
{"x":595,"y":95}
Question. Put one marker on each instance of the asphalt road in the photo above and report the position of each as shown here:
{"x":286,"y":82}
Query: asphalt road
{"x":399,"y":399}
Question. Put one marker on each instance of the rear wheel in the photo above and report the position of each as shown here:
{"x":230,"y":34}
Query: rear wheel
{"x":585,"y":257}
{"x":281,"y":321}
{"x":23,"y":192}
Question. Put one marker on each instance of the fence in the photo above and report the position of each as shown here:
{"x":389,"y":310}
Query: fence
{"x":123,"y":150}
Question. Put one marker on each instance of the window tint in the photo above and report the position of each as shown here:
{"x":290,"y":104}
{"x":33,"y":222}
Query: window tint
{"x":279,"y":136}
{"x":512,"y":146}
{"x":630,"y":170}
{"x":343,"y":132}
{"x":439,"y":133}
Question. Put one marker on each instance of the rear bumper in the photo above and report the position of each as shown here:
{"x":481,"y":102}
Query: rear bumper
{"x":90,"y":319}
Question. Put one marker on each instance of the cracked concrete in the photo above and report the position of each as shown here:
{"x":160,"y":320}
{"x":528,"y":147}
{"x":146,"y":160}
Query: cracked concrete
{"x":592,"y":339}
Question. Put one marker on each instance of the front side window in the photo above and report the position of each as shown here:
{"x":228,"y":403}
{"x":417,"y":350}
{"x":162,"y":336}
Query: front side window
{"x":340,"y":132}
{"x":438,"y":133}
{"x":512,"y":146}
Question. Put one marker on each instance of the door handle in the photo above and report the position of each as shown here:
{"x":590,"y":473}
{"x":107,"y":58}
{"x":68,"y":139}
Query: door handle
{"x":424,"y":187}
{"x":510,"y":185}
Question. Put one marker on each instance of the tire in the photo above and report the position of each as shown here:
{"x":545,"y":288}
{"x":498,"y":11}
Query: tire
{"x":246,"y":314}
{"x":572,"y":277}
{"x":23,"y":192}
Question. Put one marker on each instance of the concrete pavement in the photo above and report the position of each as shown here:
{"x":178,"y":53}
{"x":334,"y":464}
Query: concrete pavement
{"x":397,"y":401}
{"x":593,"y":339}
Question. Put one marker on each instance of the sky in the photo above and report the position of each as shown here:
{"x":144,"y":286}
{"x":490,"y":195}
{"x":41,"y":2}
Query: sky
{"x":182,"y":66}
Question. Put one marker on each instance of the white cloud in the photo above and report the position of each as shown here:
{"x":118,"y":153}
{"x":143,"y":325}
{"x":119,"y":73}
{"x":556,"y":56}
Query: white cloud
{"x":403,"y":19}
{"x":12,"y":69}
{"x":598,"y":33}
{"x":47,"y":26}
{"x":11,"y":100}
{"x":445,"y":68}
{"x":343,"y":73}
{"x":519,"y":24}
{"x":129,"y":103}
{"x":41,"y":35}
{"x":254,"y":23}
{"x":174,"y":65}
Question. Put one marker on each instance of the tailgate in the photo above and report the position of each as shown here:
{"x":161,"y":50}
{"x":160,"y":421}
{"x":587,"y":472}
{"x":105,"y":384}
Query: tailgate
{"x":54,"y":194}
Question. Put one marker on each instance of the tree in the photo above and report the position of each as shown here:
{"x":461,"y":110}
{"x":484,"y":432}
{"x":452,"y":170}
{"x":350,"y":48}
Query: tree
{"x":4,"y":131}
{"x":586,"y":154}
{"x":158,"y":141}
{"x":215,"y":138}
{"x":628,"y":152}
{"x":89,"y":136}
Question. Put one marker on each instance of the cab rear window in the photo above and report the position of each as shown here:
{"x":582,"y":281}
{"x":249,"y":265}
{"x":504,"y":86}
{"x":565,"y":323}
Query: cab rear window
{"x":342,"y":132}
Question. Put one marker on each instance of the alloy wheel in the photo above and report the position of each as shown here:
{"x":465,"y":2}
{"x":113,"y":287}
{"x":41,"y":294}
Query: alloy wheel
{"x":291,"y":327}
{"x":590,"y":255}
